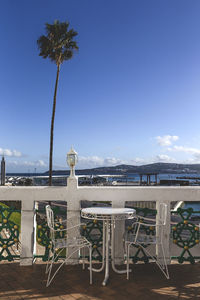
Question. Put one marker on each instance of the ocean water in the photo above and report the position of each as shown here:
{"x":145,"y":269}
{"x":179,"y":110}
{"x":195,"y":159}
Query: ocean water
{"x":135,"y":177}
{"x":193,"y":180}
{"x":194,"y":205}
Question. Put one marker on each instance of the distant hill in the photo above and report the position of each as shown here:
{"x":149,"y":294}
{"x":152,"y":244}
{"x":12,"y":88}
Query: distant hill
{"x":161,"y":168}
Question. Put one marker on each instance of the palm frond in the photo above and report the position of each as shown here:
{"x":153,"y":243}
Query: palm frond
{"x":58,"y":44}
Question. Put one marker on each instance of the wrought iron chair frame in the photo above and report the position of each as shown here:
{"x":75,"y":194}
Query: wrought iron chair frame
{"x":157,"y":240}
{"x":76,"y":244}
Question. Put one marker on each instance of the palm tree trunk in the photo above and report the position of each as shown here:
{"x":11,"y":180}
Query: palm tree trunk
{"x":52,"y":127}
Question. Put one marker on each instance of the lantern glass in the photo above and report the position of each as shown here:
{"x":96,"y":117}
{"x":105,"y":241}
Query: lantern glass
{"x":72,"y":158}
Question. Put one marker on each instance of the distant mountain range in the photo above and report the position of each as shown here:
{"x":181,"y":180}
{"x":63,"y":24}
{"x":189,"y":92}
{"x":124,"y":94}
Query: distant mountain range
{"x":161,"y":168}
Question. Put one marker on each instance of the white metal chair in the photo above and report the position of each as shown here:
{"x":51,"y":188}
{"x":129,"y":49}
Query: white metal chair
{"x":146,"y":233}
{"x":64,"y":238}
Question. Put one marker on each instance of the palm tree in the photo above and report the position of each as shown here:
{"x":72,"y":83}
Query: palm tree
{"x":58,"y":45}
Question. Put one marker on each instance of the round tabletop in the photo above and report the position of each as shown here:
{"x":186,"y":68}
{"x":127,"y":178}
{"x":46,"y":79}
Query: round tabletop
{"x":105,"y":213}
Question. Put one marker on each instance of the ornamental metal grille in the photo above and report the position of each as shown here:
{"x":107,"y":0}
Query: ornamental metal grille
{"x":43,"y":234}
{"x":93,"y":231}
{"x":139,"y":254}
{"x":186,"y":234}
{"x":10,"y":219}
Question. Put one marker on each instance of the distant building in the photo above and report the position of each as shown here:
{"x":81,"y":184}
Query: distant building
{"x":3,"y":171}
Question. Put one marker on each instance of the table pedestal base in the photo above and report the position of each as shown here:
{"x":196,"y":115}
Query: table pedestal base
{"x":108,"y":215}
{"x":108,"y":226}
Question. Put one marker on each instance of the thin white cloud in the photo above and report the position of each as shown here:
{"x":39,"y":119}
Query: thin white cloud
{"x":155,"y":159}
{"x":112,"y":161}
{"x":188,"y":150}
{"x":38,"y":163}
{"x":184,"y":149}
{"x":164,"y":158}
{"x":166,"y":140}
{"x":41,"y":163}
{"x":96,"y":161}
{"x":137,"y":161}
{"x":194,"y":160}
{"x":10,"y":153}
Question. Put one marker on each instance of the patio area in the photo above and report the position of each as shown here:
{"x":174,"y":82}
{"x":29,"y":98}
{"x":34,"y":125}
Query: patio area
{"x":23,"y":280}
{"x":146,"y":282}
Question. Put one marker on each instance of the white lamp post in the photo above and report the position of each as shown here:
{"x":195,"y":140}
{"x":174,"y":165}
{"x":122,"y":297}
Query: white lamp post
{"x":72,"y":158}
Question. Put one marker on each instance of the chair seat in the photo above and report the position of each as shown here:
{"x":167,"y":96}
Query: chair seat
{"x":146,"y":239}
{"x":142,"y":239}
{"x":74,"y":242}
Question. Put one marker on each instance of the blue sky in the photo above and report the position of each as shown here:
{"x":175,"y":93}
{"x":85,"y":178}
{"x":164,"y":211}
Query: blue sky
{"x":131,"y":94}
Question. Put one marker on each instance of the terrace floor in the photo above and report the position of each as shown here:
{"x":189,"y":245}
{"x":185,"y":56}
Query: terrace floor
{"x":146,"y":282}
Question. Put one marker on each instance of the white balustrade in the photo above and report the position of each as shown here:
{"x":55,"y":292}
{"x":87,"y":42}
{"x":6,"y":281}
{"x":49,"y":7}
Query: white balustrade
{"x":74,"y":194}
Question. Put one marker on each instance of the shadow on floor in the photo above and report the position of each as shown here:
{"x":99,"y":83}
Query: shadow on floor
{"x":146,"y":282}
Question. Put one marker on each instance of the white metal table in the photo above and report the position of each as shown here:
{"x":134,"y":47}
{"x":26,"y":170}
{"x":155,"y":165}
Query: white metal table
{"x":108,"y":215}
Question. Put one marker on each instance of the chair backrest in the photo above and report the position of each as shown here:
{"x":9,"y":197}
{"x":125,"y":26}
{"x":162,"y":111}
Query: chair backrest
{"x":162,"y":219}
{"x":50,"y":217}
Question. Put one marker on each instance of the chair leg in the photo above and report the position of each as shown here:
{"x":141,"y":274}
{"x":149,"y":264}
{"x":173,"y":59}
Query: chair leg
{"x":162,"y":267}
{"x":50,"y":269}
{"x":127,"y":260}
{"x":55,"y":255}
{"x":83,"y":251}
{"x":48,"y":263}
{"x":49,"y":280}
{"x":90,"y":264}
